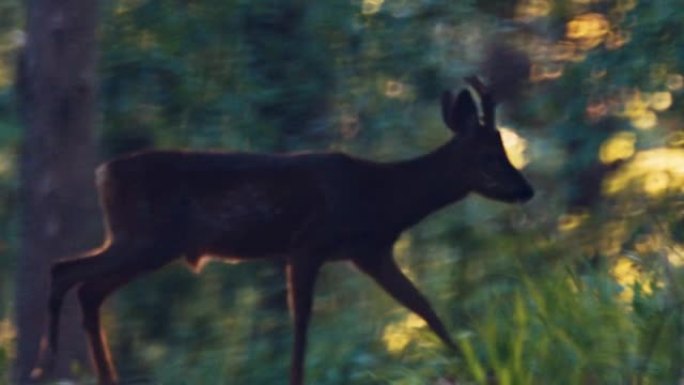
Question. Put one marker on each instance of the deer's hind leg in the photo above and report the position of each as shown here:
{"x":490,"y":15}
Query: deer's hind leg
{"x":100,"y":274}
{"x":91,"y":296}
{"x":69,"y":273}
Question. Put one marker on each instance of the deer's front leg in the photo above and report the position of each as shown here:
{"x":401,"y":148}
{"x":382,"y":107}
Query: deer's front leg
{"x":387,"y":274}
{"x":301,"y":278}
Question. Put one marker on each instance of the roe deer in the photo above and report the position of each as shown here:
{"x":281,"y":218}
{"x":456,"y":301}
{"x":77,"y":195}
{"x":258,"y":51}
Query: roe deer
{"x":304,"y":208}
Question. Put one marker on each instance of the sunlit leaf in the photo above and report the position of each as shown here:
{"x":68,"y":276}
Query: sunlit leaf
{"x":628,"y":274}
{"x":569,"y":222}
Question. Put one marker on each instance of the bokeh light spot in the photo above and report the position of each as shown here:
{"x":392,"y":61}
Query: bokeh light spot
{"x":569,"y":222}
{"x":654,"y":172}
{"x":370,"y":7}
{"x":394,"y":89}
{"x":399,"y":334}
{"x":675,"y":82}
{"x":588,"y":26}
{"x":645,"y":121}
{"x":618,"y":147}
{"x":661,"y":101}
{"x":627,"y":274}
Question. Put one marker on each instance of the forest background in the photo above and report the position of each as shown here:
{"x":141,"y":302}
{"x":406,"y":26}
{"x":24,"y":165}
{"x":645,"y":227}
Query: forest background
{"x":583,"y":285}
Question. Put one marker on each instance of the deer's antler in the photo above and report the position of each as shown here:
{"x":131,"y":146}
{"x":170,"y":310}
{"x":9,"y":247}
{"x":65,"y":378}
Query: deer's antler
{"x":486,"y":100}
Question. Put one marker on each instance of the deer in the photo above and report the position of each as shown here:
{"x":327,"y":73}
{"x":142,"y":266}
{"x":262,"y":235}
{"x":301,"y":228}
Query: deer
{"x":304,"y":209}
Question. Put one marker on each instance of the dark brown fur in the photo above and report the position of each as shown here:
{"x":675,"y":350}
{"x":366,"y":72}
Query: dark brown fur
{"x":305,"y":208}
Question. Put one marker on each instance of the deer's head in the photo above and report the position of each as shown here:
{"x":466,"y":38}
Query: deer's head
{"x":487,"y":169}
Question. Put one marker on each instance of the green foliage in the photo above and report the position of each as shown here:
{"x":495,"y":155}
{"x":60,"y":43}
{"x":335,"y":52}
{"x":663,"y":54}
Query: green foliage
{"x":584,"y":285}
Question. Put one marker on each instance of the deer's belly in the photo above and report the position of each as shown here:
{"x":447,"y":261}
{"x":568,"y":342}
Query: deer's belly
{"x":259,"y":242}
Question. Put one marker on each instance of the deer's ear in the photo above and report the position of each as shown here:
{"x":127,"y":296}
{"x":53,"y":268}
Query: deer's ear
{"x":461,"y":115}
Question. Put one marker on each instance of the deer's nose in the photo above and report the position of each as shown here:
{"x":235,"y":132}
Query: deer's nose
{"x":526,"y":194}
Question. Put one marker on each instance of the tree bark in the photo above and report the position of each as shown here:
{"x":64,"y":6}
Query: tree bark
{"x":56,"y":87}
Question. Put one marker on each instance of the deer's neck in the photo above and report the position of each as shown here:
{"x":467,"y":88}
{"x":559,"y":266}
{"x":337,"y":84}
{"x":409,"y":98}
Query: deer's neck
{"x":423,"y":185}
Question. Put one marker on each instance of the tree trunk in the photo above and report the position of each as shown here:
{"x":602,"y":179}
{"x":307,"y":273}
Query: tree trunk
{"x":56,"y":90}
